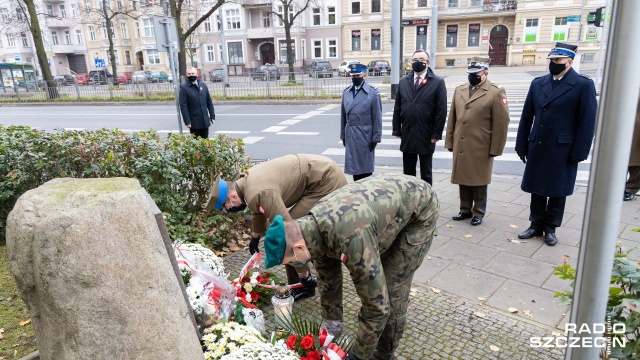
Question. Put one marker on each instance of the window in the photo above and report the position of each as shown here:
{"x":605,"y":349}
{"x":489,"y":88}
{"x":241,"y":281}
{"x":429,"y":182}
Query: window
{"x":104,"y":31}
{"x":92,"y":33}
{"x":115,"y":53}
{"x":207,"y":25}
{"x":63,"y":12}
{"x":375,"y":39}
{"x":475,"y":3}
{"x":11,"y":40}
{"x":124,"y":30}
{"x":87,"y":6}
{"x":266,"y":20}
{"x":421,"y":37}
{"x":317,"y":49}
{"x":210,"y":53}
{"x":531,"y":31}
{"x":449,"y":62}
{"x":153,"y":57}
{"x":25,"y":40}
{"x":74,"y":10}
{"x":474,"y":35}
{"x":4,"y":14}
{"x":218,"y":23}
{"x":49,"y":9}
{"x":303,"y":47}
{"x":331,"y":12}
{"x":560,"y":29}
{"x":355,"y":40}
{"x":316,"y":16}
{"x":233,"y":19}
{"x":127,"y":57}
{"x":355,"y":6}
{"x":375,"y":6}
{"x":147,"y":24}
{"x":137,"y":30}
{"x":67,"y":37}
{"x":220,"y":51}
{"x":591,"y":57}
{"x":18,"y":13}
{"x":120,"y":6}
{"x":79,"y":39}
{"x":281,"y":12}
{"x":235,"y":53}
{"x":452,"y":35}
{"x":333,"y":48}
{"x":423,"y":3}
{"x":54,"y":38}
{"x":283,"y":51}
{"x":452,"y":3}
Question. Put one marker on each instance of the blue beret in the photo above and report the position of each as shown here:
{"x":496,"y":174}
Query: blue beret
{"x":357,"y":69}
{"x":275,"y":243}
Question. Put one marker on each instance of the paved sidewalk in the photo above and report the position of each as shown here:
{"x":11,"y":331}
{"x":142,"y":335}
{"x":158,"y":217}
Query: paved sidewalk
{"x":473,"y":274}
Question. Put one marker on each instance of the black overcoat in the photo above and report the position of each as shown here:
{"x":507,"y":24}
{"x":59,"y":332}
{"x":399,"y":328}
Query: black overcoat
{"x":420,"y":115}
{"x":555,"y":127}
{"x":196,"y":106}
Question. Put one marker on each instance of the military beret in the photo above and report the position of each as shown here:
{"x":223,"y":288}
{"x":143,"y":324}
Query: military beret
{"x":563,"y":50}
{"x":275,"y":243}
{"x":217,"y":195}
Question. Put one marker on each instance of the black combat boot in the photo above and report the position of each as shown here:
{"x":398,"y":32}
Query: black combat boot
{"x":308,"y":288}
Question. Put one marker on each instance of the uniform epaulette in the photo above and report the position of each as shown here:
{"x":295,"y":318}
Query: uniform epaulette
{"x":348,"y":87}
{"x":463,"y":84}
{"x":585,"y":76}
{"x":496,"y":85}
{"x":539,"y":77}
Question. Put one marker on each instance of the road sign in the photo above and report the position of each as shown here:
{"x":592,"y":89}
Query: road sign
{"x":573,"y":18}
{"x":16,"y":56}
{"x":99,"y":63}
{"x":161,"y":33}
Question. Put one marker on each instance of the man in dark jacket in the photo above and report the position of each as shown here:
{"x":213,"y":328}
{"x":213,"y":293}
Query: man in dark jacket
{"x":419,"y":115}
{"x":555,"y":134}
{"x":196,"y":106}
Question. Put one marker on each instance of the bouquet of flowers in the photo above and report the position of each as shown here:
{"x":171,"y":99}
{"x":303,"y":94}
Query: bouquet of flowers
{"x":328,"y":340}
{"x":233,"y":341}
{"x":249,"y":291}
{"x":263,"y":351}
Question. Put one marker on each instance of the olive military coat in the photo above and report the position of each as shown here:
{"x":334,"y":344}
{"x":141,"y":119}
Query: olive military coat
{"x":476,"y":132}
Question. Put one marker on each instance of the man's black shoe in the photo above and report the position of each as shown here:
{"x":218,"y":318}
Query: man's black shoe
{"x":550,"y":239}
{"x":308,"y":288}
{"x":476,"y":220}
{"x":461,"y":216}
{"x":529,"y":233}
{"x":628,"y":196}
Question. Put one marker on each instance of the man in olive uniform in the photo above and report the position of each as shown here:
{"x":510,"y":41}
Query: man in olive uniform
{"x":380,"y":228}
{"x":476,"y":133}
{"x":360,"y":124}
{"x":293,"y":182}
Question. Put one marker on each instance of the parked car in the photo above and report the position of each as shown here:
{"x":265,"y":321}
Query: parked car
{"x":159,"y":77}
{"x":378,"y":67}
{"x":82,"y":78}
{"x":343,"y":69}
{"x":100,"y":77}
{"x":125,"y":77}
{"x":141,"y":76}
{"x":265,"y":72}
{"x":170,"y":77}
{"x":320,"y":68}
{"x":64,"y":80}
{"x":216,"y":75}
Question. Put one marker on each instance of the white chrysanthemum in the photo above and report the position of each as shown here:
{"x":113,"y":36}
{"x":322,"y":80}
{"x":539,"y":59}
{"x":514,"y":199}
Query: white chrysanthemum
{"x":248,"y":287}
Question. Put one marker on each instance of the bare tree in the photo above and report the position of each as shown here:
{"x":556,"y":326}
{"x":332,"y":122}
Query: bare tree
{"x":288,"y":17}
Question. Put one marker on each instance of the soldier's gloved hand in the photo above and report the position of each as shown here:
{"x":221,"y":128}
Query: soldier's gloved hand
{"x":253,"y":245}
{"x":523,"y":157}
{"x":372,"y":146}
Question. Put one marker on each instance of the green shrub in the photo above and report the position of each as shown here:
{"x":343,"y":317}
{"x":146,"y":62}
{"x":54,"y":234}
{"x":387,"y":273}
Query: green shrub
{"x":176,"y":171}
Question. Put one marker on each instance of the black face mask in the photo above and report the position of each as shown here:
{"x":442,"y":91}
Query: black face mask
{"x":192,"y":78}
{"x":357,"y":81}
{"x":235,"y":209}
{"x":418,"y":66}
{"x":556,"y":69}
{"x":475,"y":79}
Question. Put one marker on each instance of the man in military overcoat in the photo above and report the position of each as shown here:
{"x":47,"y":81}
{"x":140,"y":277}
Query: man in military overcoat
{"x":380,"y":228}
{"x":360,"y":124}
{"x":476,"y":133}
{"x":288,"y":186}
{"x":554,"y":136}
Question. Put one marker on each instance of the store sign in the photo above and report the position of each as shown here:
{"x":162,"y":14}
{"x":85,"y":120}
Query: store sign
{"x":415,"y":22}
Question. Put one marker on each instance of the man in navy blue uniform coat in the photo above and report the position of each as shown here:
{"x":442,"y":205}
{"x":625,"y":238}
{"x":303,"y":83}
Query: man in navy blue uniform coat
{"x":555,"y":134}
{"x":196,"y":106}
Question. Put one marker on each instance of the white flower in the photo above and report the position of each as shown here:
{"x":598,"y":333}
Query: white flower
{"x":248,"y":297}
{"x":248,"y":287}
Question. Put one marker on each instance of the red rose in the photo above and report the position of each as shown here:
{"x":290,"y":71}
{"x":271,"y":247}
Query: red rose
{"x":303,"y":358}
{"x":313,"y":355}
{"x":307,"y":342}
{"x":265,"y":275}
{"x":260,"y":279}
{"x":245,"y":279}
{"x":254,"y":296}
{"x":291,"y":342}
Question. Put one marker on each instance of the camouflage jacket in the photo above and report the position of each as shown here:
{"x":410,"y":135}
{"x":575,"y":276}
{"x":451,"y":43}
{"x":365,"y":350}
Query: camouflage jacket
{"x":355,"y":225}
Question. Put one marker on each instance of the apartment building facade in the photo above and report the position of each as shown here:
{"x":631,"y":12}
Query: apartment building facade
{"x":62,"y":35}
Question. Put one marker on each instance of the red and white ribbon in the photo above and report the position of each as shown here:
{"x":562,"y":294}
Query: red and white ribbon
{"x":325,"y":337}
{"x":252,"y":263}
{"x":273,"y":287}
{"x":333,"y":352}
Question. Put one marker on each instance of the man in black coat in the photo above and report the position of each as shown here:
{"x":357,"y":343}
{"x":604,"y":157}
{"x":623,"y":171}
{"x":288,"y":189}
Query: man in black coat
{"x":196,"y":106}
{"x":419,"y":116}
{"x":555,"y":134}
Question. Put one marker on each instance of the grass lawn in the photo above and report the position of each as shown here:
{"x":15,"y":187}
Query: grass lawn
{"x":16,"y":340}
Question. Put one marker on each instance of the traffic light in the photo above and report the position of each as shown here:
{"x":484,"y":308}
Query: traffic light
{"x":598,"y":19}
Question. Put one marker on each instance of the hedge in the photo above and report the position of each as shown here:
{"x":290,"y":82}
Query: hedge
{"x":177,"y":171}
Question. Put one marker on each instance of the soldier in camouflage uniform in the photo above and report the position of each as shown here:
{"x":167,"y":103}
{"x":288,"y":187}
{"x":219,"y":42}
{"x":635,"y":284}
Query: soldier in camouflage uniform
{"x":381,"y":229}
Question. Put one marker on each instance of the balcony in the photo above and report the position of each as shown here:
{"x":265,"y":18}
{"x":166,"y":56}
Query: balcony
{"x":256,"y":3}
{"x":57,"y":23}
{"x":63,"y":49}
{"x":259,"y":33}
{"x":499,"y":5}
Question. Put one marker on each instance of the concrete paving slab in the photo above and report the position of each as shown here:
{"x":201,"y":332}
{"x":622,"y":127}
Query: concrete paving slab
{"x":505,"y":208}
{"x":467,"y":282}
{"x":538,"y":303}
{"x":630,"y":235}
{"x":503,"y":186}
{"x":568,"y":236}
{"x":522,"y":199}
{"x":458,"y":230}
{"x":555,"y":283}
{"x":465,"y":253}
{"x":629,"y":245}
{"x":499,"y":242}
{"x":506,"y":224}
{"x":438,"y":241}
{"x":557,"y":254}
{"x":429,"y":268}
{"x":519,"y":268}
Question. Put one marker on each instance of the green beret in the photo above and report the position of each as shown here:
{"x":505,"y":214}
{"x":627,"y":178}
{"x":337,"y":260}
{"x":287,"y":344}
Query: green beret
{"x":275,"y":243}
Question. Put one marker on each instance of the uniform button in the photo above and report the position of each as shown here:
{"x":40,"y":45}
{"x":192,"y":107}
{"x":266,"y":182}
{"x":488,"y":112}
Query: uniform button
{"x":539,"y":142}
{"x":461,"y":151}
{"x":464,"y":123}
{"x":541,"y":125}
{"x":544,"y":108}
{"x":466,"y":107}
{"x":463,"y":137}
